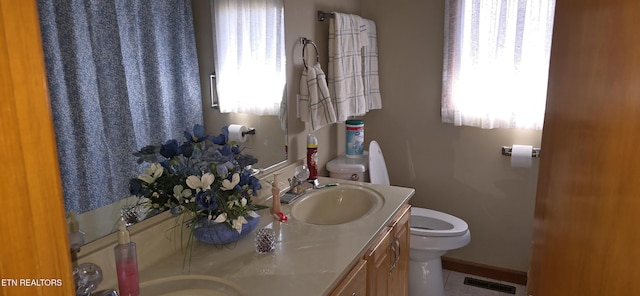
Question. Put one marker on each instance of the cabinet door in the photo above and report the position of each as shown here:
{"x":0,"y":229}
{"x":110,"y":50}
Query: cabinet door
{"x":379,"y":258}
{"x":388,"y":258}
{"x":355,"y":283}
{"x":399,"y":272}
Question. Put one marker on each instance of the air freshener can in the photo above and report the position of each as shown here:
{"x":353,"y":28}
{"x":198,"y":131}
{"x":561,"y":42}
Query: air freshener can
{"x":355,"y":138}
{"x":312,"y":157}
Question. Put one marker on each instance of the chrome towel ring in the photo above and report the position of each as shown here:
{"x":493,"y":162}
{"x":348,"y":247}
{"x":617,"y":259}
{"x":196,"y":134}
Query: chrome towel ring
{"x":304,"y":41}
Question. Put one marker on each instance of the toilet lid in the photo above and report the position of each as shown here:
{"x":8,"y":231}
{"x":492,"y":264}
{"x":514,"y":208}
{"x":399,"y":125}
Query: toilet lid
{"x":377,"y":168}
{"x":426,"y":222}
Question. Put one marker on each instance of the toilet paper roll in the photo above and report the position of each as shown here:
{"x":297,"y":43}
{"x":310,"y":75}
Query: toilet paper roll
{"x":236,"y":133}
{"x":521,"y":156}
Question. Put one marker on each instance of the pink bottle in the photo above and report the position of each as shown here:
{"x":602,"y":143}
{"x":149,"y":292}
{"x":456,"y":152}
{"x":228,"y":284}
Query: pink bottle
{"x":126,"y":263}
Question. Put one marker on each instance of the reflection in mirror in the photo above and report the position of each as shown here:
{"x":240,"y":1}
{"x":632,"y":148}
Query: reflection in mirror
{"x":269,"y":142}
{"x":249,"y":55}
{"x":120,"y":76}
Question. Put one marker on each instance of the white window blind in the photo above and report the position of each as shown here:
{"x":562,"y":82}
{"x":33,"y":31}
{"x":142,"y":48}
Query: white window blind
{"x":249,"y":55}
{"x":496,"y":62}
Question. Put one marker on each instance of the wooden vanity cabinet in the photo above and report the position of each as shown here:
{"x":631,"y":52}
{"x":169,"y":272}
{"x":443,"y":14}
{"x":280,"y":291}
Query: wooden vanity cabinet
{"x":355,"y":282}
{"x":399,"y":275}
{"x":379,"y":259}
{"x":384,"y":268}
{"x":388,"y":258}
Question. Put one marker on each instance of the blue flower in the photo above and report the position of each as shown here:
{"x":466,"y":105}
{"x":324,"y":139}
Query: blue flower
{"x":255,"y":185}
{"x":198,"y":136}
{"x":245,"y":178}
{"x":219,"y":139}
{"x":248,"y":179}
{"x":226,"y":151}
{"x":206,"y":201}
{"x":223,"y":168}
{"x":245,"y":160}
{"x":169,"y":149}
{"x":135,"y":187}
{"x":186,"y":149}
{"x":222,"y":138}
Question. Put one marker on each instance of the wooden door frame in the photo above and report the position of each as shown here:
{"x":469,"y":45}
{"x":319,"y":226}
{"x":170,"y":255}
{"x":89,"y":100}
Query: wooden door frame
{"x":35,"y":257}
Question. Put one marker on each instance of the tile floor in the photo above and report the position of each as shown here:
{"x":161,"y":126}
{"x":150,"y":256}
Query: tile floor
{"x":454,"y":286}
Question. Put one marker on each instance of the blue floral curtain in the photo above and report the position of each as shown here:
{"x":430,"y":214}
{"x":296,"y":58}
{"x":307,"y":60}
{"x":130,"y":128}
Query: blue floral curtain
{"x":121,"y":74}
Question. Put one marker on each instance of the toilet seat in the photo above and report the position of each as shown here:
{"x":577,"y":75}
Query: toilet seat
{"x":377,"y":167}
{"x":426,"y":222}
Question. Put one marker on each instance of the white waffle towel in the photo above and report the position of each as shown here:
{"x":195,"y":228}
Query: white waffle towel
{"x":370,"y":78}
{"x":315,"y":106}
{"x":347,"y":36}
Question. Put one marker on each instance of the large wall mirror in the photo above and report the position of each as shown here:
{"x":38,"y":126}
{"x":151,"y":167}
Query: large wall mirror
{"x":176,"y":64}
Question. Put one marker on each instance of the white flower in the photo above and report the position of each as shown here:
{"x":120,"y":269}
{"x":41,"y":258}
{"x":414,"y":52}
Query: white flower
{"x":179,"y":192}
{"x":152,"y":173}
{"x":253,"y":214}
{"x":228,"y":185}
{"x":221,"y":218}
{"x":237,"y":223}
{"x":201,"y":183}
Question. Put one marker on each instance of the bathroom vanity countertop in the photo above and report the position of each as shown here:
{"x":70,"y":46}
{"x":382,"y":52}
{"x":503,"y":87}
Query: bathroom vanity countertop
{"x":308,"y":259}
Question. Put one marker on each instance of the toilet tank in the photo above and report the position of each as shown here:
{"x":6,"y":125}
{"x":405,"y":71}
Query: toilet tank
{"x":347,"y":168}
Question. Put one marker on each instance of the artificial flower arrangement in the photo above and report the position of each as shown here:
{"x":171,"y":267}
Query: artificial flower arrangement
{"x":208,"y":178}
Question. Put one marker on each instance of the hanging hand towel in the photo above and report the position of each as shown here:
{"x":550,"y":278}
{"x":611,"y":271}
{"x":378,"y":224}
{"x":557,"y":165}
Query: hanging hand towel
{"x":370,"y":78}
{"x":315,"y":106}
{"x":345,"y":83}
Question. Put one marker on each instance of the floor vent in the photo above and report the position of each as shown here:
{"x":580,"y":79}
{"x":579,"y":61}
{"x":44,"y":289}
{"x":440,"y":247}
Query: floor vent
{"x":490,"y":285}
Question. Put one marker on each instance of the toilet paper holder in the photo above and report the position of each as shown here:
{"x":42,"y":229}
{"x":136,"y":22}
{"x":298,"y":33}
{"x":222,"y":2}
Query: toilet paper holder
{"x":506,"y":151}
{"x":251,"y":131}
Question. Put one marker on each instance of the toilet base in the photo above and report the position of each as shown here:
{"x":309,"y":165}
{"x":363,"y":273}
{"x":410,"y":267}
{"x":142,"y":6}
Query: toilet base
{"x":425,"y":278}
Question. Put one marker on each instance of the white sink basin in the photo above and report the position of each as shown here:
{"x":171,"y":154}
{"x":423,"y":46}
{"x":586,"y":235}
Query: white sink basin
{"x":337,"y":205}
{"x":190,"y":285}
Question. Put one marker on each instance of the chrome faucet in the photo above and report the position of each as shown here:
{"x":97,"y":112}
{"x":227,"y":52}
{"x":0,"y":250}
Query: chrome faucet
{"x":295,"y":185}
{"x":300,"y":175}
{"x":298,"y":184}
{"x":87,"y":277}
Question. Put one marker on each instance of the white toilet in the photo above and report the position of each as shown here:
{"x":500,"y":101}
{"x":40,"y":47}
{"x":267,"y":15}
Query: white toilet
{"x":433,"y":233}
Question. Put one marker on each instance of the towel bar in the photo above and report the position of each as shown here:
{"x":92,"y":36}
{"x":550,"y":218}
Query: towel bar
{"x":323,"y":15}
